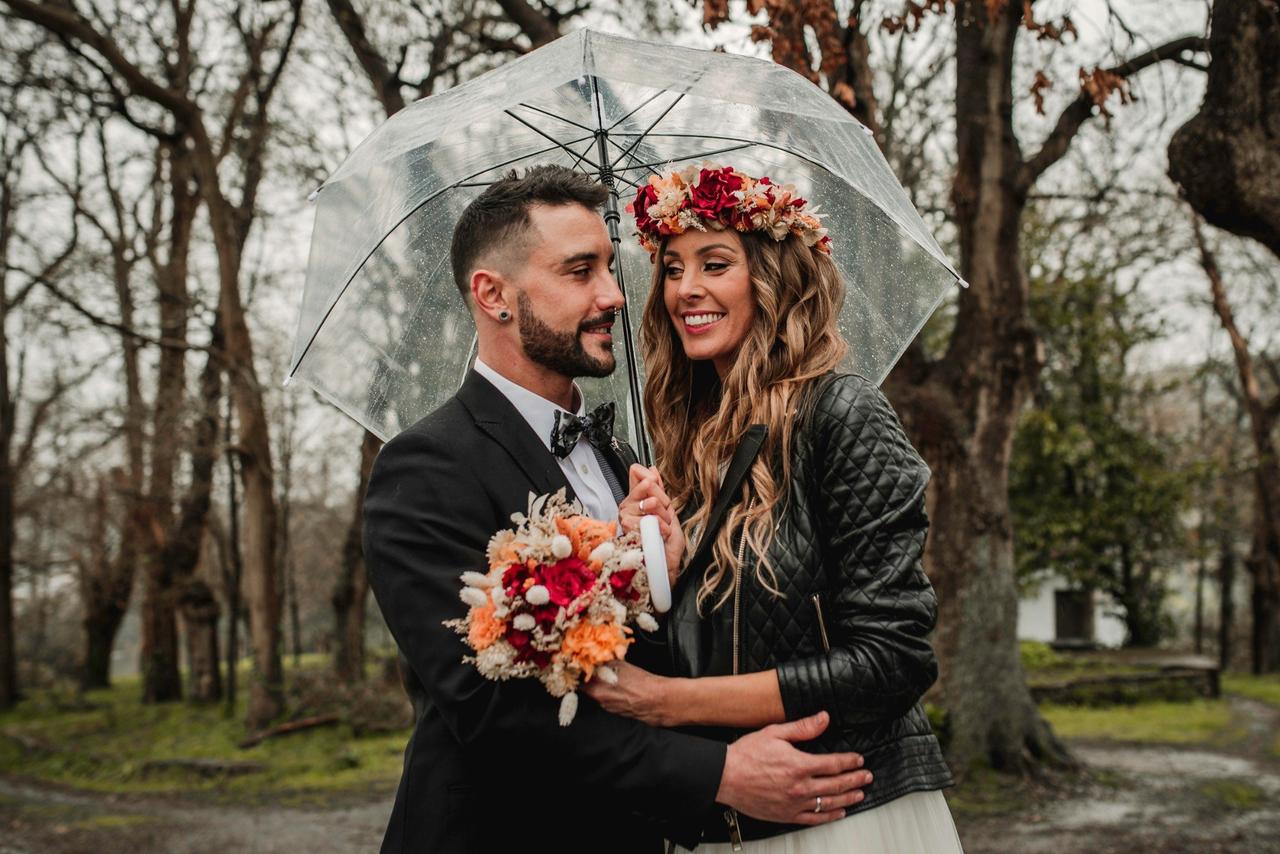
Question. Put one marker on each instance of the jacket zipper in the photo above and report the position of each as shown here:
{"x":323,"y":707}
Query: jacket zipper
{"x":822,"y":623}
{"x":730,"y":814}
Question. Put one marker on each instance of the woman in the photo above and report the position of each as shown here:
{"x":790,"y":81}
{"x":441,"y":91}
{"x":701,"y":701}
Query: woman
{"x":801,"y":588}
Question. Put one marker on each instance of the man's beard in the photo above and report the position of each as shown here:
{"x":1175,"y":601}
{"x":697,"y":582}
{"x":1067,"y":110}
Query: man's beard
{"x":562,"y":352}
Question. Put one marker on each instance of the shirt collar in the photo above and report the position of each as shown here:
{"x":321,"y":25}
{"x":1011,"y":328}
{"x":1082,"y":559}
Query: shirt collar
{"x":537,"y":410}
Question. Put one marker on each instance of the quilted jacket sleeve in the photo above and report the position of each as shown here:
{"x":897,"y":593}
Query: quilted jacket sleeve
{"x":867,"y":486}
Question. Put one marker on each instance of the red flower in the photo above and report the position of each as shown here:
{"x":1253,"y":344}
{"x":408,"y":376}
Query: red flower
{"x":514,"y":577}
{"x":546,"y":615}
{"x":567,"y":579}
{"x":714,"y":192}
{"x":645,"y":198}
{"x":621,"y":579}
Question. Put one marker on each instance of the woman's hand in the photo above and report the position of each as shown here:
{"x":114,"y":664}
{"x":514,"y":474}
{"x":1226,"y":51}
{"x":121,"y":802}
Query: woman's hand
{"x":648,"y":498}
{"x":636,"y":694}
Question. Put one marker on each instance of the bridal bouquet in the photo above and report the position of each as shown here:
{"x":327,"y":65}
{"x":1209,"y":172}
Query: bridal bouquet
{"x":557,"y":600}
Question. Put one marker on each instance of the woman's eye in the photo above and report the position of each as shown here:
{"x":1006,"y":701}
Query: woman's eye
{"x":673,"y":272}
{"x":713,"y":266}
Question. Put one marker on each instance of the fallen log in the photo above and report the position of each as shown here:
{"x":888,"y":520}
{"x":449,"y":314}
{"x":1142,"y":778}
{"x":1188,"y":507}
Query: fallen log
{"x":288,"y":727}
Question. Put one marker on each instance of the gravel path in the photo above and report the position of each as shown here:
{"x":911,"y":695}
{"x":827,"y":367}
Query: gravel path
{"x":1155,"y":800}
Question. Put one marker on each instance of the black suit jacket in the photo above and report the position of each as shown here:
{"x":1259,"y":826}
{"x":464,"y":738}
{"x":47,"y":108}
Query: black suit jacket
{"x":489,"y":768}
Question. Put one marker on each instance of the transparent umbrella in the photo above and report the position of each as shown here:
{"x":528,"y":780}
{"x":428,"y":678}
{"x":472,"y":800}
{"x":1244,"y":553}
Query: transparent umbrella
{"x":383,"y":333}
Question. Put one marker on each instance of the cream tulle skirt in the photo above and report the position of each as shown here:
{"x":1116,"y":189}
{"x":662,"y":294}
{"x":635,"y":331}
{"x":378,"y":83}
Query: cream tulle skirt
{"x":918,"y":823}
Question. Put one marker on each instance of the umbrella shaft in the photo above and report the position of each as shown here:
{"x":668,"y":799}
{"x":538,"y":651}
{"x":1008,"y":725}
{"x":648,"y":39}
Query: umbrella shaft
{"x":612,"y":218}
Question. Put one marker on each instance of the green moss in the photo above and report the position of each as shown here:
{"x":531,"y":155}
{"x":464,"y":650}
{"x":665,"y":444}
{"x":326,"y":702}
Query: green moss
{"x":1197,"y":722}
{"x":1265,"y":688}
{"x":1037,"y":655}
{"x":104,"y":741}
{"x":986,"y":792}
{"x":1233,"y":794}
{"x":112,"y":822}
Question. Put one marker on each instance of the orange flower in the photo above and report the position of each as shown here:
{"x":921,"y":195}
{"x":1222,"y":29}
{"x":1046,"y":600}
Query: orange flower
{"x":509,"y":554}
{"x":591,"y":645}
{"x":585,"y":533}
{"x":485,"y":628}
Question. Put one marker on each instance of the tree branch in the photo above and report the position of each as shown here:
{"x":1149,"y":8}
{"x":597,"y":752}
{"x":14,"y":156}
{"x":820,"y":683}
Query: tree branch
{"x":386,"y":83}
{"x":68,"y":23}
{"x":539,"y":28}
{"x":1081,"y":109}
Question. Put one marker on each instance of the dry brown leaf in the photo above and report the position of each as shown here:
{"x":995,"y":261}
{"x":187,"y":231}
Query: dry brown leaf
{"x":1038,"y":87}
{"x":1098,"y":84}
{"x":714,"y":13}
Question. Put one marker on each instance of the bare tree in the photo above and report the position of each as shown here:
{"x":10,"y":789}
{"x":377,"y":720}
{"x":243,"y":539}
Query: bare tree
{"x":1264,"y":415}
{"x":23,"y":266}
{"x":264,"y":34}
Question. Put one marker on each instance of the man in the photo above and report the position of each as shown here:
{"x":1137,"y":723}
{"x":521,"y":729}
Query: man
{"x":488,"y":767}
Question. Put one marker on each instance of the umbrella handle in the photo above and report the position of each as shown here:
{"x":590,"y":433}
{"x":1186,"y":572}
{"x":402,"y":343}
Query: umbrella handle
{"x":655,"y":563}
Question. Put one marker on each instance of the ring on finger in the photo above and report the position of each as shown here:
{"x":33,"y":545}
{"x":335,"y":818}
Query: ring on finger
{"x":817,"y":807}
{"x":642,"y":501}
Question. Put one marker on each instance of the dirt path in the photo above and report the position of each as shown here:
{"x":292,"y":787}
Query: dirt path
{"x":42,"y":820}
{"x":1155,"y":800}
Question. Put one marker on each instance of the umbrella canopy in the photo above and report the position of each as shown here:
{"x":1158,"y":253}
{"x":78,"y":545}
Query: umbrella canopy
{"x":383,"y":333}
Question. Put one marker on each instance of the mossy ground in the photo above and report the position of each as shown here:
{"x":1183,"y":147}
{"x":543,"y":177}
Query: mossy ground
{"x":102,"y":741}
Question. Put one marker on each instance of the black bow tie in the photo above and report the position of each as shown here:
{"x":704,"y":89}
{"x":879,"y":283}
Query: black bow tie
{"x":596,"y":426}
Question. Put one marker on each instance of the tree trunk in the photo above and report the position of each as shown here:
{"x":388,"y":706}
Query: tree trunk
{"x":963,"y":417}
{"x":352,"y":590}
{"x":8,"y":637}
{"x":1226,"y":601}
{"x":105,"y":587}
{"x":1264,"y":556}
{"x":1227,"y":158}
{"x":200,"y":612}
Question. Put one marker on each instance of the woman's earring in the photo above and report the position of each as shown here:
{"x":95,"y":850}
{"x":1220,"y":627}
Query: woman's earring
{"x":504,"y":315}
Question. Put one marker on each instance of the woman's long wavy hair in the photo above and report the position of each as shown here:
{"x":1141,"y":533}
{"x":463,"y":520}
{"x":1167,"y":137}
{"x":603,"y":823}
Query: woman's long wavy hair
{"x":696,"y":419}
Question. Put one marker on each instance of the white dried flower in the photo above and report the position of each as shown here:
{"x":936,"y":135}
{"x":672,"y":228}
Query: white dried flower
{"x":607,"y":676}
{"x":647,"y":622}
{"x":568,"y":708}
{"x":494,"y":661}
{"x":478,"y":579}
{"x":537,"y":595}
{"x":631,"y":559}
{"x":473,"y":597}
{"x":561,"y":547}
{"x":619,"y":611}
{"x":524,"y":622}
{"x":602,"y":552}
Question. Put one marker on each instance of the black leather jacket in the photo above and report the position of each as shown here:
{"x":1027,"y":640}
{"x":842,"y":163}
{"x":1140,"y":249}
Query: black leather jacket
{"x":846,"y":555}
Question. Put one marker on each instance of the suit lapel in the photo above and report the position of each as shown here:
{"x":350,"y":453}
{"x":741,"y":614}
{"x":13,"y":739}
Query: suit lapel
{"x":503,"y":423}
{"x":743,"y":457}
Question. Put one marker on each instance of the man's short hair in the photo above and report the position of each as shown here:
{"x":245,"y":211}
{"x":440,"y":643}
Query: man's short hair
{"x":500,"y":215}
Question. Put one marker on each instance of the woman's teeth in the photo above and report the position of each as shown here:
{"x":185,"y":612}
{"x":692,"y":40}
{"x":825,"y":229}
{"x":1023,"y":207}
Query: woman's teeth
{"x":702,"y":319}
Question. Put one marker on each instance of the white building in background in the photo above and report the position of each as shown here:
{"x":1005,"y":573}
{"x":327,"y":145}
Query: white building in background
{"x":1059,"y":613}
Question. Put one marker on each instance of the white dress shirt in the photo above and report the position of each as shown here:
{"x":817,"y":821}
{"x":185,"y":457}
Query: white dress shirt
{"x":581,"y":468}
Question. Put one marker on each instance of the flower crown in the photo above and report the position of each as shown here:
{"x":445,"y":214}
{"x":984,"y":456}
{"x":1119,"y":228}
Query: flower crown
{"x":722,"y":197}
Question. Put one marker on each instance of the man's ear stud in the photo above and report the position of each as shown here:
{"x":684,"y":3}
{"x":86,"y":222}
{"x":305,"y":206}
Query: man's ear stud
{"x":504,"y":315}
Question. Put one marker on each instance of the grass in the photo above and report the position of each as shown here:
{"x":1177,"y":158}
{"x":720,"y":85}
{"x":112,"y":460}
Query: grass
{"x":104,"y":743}
{"x":1265,"y":688}
{"x":1196,"y":722}
{"x":1233,"y":794}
